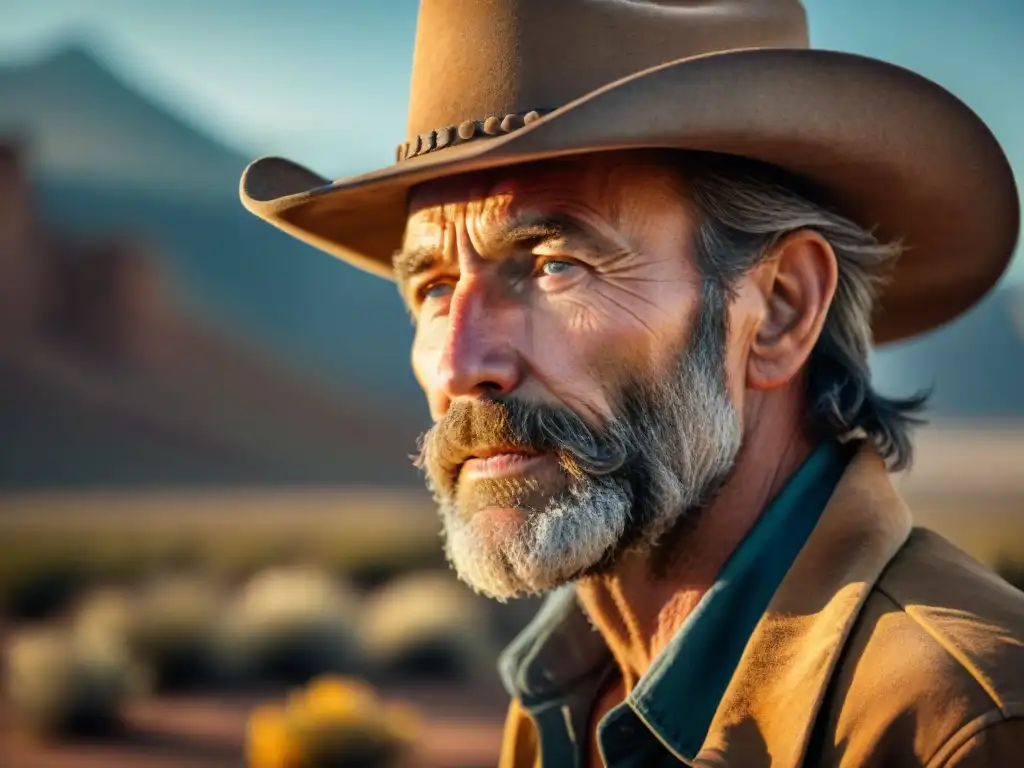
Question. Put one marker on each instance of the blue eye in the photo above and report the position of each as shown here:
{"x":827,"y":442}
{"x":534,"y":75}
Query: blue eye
{"x":555,"y":267}
{"x":436,"y":291}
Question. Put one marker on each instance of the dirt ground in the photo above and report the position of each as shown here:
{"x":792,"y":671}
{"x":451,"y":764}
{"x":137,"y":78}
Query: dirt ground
{"x":462,"y":729}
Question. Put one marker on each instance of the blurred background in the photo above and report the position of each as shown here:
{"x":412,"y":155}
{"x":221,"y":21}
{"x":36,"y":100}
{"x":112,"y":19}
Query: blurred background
{"x":206,"y":498}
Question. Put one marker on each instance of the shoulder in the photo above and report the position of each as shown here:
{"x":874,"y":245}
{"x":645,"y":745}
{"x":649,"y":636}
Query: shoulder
{"x":970,"y":621}
{"x":934,"y":662}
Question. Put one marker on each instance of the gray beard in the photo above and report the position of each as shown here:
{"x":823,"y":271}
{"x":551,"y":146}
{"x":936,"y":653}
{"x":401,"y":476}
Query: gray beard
{"x":684,"y":434}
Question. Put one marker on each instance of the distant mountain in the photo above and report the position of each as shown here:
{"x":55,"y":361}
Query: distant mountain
{"x":108,"y":380}
{"x":300,"y":305}
{"x":86,"y":125}
{"x":107,"y":159}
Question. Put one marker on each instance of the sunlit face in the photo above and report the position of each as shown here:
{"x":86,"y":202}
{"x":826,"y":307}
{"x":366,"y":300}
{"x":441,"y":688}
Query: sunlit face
{"x":579,"y":394}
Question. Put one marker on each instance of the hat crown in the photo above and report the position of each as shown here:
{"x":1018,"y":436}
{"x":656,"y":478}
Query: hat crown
{"x":479,"y":59}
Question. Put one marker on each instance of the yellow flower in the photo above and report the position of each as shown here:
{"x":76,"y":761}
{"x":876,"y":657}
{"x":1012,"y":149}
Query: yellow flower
{"x":340,"y":697}
{"x":269,"y":742}
{"x":332,"y":716}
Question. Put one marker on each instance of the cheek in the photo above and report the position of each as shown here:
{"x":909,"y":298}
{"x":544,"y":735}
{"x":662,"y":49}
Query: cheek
{"x":639,"y":336}
{"x":425,"y":355}
{"x":584,"y":365}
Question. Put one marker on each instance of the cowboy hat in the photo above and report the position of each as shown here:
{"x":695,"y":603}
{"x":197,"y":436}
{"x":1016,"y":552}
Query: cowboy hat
{"x":503,"y":82}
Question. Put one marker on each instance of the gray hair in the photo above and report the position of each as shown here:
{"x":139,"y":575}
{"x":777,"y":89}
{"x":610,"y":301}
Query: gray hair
{"x":744,"y":208}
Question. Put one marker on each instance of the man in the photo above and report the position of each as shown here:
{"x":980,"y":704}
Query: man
{"x":646,"y":247}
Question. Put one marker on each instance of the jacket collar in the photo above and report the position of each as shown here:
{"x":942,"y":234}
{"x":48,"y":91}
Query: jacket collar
{"x":768,"y":711}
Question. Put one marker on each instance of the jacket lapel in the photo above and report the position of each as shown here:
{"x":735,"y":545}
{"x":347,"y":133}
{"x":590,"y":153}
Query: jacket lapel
{"x":768,"y":711}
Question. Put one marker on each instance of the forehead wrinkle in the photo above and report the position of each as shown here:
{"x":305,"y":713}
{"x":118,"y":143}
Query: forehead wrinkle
{"x":634,"y":190}
{"x":593,"y":201}
{"x":507,"y":220}
{"x":614,"y":199}
{"x":418,"y":256}
{"x":648,"y":207}
{"x":562,"y":203}
{"x":432,"y":227}
{"x":488,"y":218}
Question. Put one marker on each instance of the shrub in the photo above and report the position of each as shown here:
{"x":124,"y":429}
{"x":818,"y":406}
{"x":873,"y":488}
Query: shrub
{"x":428,"y":625}
{"x":104,"y":619}
{"x":176,"y":631}
{"x":335,"y":722}
{"x":38,"y":577}
{"x":171,"y":626}
{"x":290,"y":624}
{"x":61,"y":687}
{"x":43,"y":572}
{"x":44,"y":569}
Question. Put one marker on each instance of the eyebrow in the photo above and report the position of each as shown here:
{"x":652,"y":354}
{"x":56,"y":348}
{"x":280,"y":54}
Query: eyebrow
{"x":407,"y":263}
{"x":525,"y":233}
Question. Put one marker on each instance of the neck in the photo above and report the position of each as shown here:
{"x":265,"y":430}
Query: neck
{"x":640,"y":605}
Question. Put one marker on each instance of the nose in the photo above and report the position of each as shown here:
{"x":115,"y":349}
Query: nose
{"x":478,"y":357}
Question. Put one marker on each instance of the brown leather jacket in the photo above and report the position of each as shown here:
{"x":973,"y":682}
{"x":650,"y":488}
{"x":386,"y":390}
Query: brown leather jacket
{"x":885,"y":645}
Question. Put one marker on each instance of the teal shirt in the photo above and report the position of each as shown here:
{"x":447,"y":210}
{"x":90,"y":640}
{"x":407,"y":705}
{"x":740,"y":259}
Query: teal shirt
{"x":557,"y":666}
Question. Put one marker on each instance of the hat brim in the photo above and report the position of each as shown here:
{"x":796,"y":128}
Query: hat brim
{"x":894,"y":151}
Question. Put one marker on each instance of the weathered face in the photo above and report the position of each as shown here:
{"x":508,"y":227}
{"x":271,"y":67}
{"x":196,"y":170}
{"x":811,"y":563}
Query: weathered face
{"x":578,"y":391}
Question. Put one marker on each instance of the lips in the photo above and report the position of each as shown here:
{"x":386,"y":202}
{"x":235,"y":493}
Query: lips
{"x":498,"y":461}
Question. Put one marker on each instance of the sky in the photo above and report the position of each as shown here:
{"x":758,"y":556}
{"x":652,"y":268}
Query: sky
{"x":325,"y":82}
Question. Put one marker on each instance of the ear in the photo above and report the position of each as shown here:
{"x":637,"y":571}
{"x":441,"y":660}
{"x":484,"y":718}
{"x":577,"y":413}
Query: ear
{"x":797,"y":282}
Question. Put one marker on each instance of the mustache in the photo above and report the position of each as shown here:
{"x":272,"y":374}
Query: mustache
{"x":472,"y":426}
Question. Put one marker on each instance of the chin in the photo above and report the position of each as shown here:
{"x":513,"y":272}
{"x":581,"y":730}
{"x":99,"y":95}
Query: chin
{"x":494,"y":526}
{"x":507,"y":551}
{"x":493,"y":575}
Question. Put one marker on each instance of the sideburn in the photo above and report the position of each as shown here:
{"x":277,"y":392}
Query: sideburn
{"x":709,"y":345}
